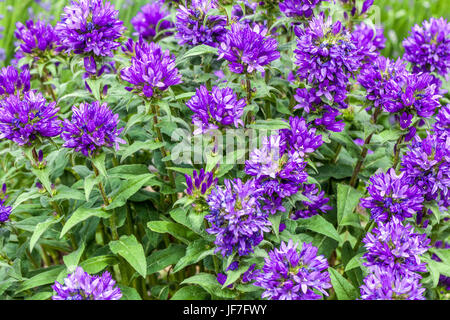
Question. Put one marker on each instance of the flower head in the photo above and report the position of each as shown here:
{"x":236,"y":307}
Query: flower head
{"x":236,"y":217}
{"x":291,"y":275}
{"x":299,"y":8}
{"x":79,"y":285}
{"x":442,"y":124}
{"x":200,"y":183}
{"x":248,"y":49}
{"x":92,"y":127}
{"x":370,"y":40}
{"x":11,"y":82}
{"x":90,"y":26}
{"x":392,"y":196}
{"x":317,"y":203}
{"x":215,"y":109}
{"x":146,"y":20}
{"x":5,"y":211}
{"x":428,"y":47}
{"x":23,"y":120}
{"x":152,"y":70}
{"x":35,"y":38}
{"x":195,"y":26}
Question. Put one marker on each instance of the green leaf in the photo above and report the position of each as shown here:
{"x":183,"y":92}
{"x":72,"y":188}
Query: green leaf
{"x":94,"y":84}
{"x":64,"y":192}
{"x":40,"y":229}
{"x":44,"y":177}
{"x":89,"y":183}
{"x":347,"y":200}
{"x":98,"y":263}
{"x":354,"y":262}
{"x":45,"y":277}
{"x":128,"y":171}
{"x":129,"y":293}
{"x":178,"y":231}
{"x":196,"y":251}
{"x":127,"y":189}
{"x":209,"y":282}
{"x":160,"y":259}
{"x":343,"y":288}
{"x":99,"y":163}
{"x":190,"y":293}
{"x":271,"y":124}
{"x":139,"y":145}
{"x":275,"y":220}
{"x":32,"y":194}
{"x":132,"y":251}
{"x":320,"y":225}
{"x":196,"y":51}
{"x":80,"y":215}
{"x":71,"y":260}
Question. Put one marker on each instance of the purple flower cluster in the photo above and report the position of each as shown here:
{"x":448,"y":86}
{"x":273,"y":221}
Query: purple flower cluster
{"x":5,"y":211}
{"x":152,"y":70}
{"x":216,"y":109}
{"x":427,"y":165}
{"x":248,"y":48}
{"x":23,"y":120}
{"x":11,"y":82}
{"x":392,"y":196}
{"x":428,"y":47}
{"x":299,"y":8}
{"x":146,"y":20}
{"x":79,"y":285}
{"x":200,"y":183}
{"x":35,"y":38}
{"x":291,"y":275}
{"x":195,"y":26}
{"x":384,"y":284}
{"x":317,"y":203}
{"x":90,"y":26}
{"x":369,"y":39}
{"x":92,"y":127}
{"x":396,"y":247}
{"x":442,"y":124}
{"x":236,"y":217}
{"x":327,"y":57}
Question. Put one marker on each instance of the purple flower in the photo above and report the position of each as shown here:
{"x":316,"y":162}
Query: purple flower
{"x":23,"y":120}
{"x":236,"y":217}
{"x":195,"y":26}
{"x":299,"y":8}
{"x":90,"y":26}
{"x":370,"y":40}
{"x":291,"y":275}
{"x":35,"y":38}
{"x":427,"y":165}
{"x":442,"y":124}
{"x":11,"y":82}
{"x":428,"y":47}
{"x":385,"y":284}
{"x":92,"y":127}
{"x":395,"y":246}
{"x":146,"y":20}
{"x":200,"y":183}
{"x":392,"y":196}
{"x":5,"y":211}
{"x":300,"y":138}
{"x":317,"y":203}
{"x":152,"y":70}
{"x":366,"y":6}
{"x":79,"y":285}
{"x":215,"y":109}
{"x":247,"y":49}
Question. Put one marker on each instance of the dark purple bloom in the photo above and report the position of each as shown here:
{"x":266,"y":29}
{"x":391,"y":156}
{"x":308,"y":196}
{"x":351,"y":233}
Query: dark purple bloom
{"x":301,"y":138}
{"x":26,"y":119}
{"x":236,"y":217}
{"x":291,"y":275}
{"x":395,"y":246}
{"x":299,"y":8}
{"x":152,"y":70}
{"x":392,"y":196}
{"x":5,"y":211}
{"x":195,"y":26}
{"x":215,"y":109}
{"x":317,"y":203}
{"x":11,"y":82}
{"x":442,"y":124}
{"x":90,"y":26}
{"x":369,"y":39}
{"x":200,"y":183}
{"x":385,"y":284}
{"x":79,"y":285}
{"x":366,"y":6}
{"x":146,"y":20}
{"x":427,"y":165}
{"x":92,"y":127}
{"x":248,"y":49}
{"x":35,"y":38}
{"x":428,"y":47}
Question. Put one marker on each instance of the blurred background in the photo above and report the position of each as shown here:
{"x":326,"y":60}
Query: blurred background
{"x":396,"y":16}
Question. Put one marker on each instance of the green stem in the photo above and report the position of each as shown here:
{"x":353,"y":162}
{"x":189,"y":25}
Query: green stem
{"x":248,"y":87}
{"x":397,"y":149}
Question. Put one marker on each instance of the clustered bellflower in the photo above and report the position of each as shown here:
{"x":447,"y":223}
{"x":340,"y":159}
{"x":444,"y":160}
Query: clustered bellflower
{"x":327,"y":57}
{"x":146,"y":20}
{"x":92,"y":127}
{"x":5,"y":211}
{"x":90,"y":27}
{"x":11,"y":82}
{"x":291,"y":275}
{"x":79,"y":285}
{"x":236,"y":217}
{"x":215,"y":109}
{"x":195,"y":26}
{"x":199,"y":187}
{"x":299,"y":8}
{"x":369,"y":39}
{"x":317,"y":203}
{"x":35,"y":38}
{"x":442,"y":125}
{"x":248,"y":48}
{"x":25,"y":119}
{"x":152,"y":69}
{"x":391,"y":195}
{"x":428,"y":47}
